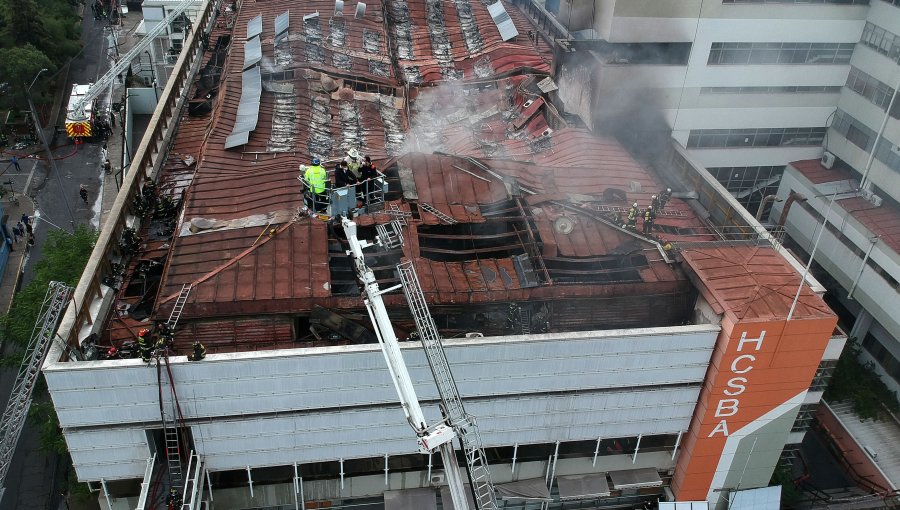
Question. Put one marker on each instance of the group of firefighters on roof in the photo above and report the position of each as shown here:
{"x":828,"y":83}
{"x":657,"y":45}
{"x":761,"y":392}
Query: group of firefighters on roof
{"x":657,"y":204}
{"x":164,"y":337}
{"x":349,"y":171}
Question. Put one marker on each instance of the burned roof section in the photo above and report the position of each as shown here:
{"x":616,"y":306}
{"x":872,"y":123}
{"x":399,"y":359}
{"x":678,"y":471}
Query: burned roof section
{"x":515,"y":219}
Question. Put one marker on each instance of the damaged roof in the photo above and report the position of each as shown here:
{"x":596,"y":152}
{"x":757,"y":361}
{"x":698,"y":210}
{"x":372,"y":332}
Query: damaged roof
{"x":535,"y":205}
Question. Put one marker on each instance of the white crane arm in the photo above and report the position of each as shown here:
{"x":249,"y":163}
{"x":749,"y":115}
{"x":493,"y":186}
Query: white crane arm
{"x":124,"y":61}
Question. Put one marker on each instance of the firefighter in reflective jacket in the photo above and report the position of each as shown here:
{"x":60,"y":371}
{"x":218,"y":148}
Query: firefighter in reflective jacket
{"x":145,"y":345}
{"x":316,"y":178}
{"x":632,"y":216}
{"x":198,"y":353}
{"x":649,"y":216}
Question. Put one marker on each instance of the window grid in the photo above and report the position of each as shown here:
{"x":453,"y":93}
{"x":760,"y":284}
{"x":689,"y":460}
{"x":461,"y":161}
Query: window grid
{"x":771,"y":90}
{"x":888,"y":362}
{"x":739,"y":179}
{"x":895,"y":3}
{"x":738,"y":53}
{"x":760,"y":137}
{"x":823,"y":375}
{"x":884,"y":42}
{"x":805,"y":417}
{"x":876,"y":91}
{"x":854,"y":130}
{"x":808,"y":2}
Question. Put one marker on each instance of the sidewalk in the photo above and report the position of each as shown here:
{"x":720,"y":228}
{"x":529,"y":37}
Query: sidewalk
{"x":17,"y":258}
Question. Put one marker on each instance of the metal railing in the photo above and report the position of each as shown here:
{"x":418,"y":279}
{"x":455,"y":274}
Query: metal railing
{"x":359,"y":198}
{"x":147,"y":160}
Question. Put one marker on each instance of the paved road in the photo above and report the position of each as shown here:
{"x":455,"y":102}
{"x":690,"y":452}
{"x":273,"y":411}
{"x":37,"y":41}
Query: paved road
{"x":35,"y":479}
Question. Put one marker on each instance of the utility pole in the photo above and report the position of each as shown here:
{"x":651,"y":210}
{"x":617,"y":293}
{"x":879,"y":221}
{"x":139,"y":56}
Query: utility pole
{"x":43,"y":137}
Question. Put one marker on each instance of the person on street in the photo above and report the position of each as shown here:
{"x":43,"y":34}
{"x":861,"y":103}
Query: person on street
{"x":82,"y":191}
{"x":14,"y":162}
{"x":107,"y":167}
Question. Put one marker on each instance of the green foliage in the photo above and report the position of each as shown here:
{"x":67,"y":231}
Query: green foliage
{"x":858,"y":383}
{"x":47,"y":33}
{"x":19,"y":65}
{"x":784,"y":477}
{"x":78,"y":492}
{"x":43,"y":416}
{"x":63,"y":259}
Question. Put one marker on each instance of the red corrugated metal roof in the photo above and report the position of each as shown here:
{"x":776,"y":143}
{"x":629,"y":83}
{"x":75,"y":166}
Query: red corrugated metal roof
{"x":557,"y":225}
{"x":752,"y":282}
{"x":883,"y":221}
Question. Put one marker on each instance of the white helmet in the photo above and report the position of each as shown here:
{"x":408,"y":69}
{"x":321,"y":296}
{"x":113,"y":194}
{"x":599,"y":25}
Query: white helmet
{"x":353,"y":153}
{"x":634,"y":204}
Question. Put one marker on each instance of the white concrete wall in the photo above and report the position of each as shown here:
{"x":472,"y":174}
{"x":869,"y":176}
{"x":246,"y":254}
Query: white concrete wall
{"x":873,"y":292}
{"x":323,"y":403}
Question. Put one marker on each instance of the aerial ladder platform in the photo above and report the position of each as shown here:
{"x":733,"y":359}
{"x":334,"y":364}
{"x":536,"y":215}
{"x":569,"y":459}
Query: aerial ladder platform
{"x":456,"y":423}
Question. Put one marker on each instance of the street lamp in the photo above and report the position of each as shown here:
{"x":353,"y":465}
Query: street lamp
{"x":35,"y":78}
{"x":43,"y":137}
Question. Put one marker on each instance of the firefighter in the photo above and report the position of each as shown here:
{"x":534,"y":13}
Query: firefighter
{"x":354,"y":163}
{"x":198,"y":353}
{"x":342,"y":175}
{"x":664,"y":198}
{"x":654,"y":202}
{"x":632,"y":216}
{"x":316,"y":179}
{"x":649,"y":216}
{"x":82,"y":191}
{"x":145,"y":345}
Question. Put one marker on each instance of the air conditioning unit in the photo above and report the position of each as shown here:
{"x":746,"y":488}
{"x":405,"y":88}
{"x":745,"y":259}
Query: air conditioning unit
{"x":438,"y":478}
{"x":828,"y":160}
{"x":148,"y":81}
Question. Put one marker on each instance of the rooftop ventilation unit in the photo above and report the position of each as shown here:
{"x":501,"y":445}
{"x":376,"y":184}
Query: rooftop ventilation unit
{"x":503,"y":21}
{"x":828,"y":160}
{"x":338,"y":7}
{"x":360,"y":10}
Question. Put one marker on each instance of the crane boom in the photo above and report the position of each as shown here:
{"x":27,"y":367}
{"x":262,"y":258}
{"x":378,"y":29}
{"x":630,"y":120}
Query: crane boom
{"x":436,"y":437}
{"x":76,"y":111}
{"x":55,"y":301}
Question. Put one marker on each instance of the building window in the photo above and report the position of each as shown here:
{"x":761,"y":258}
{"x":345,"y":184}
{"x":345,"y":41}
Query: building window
{"x":805,"y":417}
{"x":737,"y":53}
{"x":771,"y":90}
{"x":884,"y":42}
{"x":749,"y":184}
{"x":888,"y":362}
{"x":823,"y":375}
{"x":877,"y":92}
{"x":760,"y":137}
{"x":854,"y":130}
{"x":805,"y":2}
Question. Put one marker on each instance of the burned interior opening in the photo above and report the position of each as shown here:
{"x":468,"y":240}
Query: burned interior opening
{"x":497,"y":238}
{"x":608,"y":269}
{"x":343,"y":275}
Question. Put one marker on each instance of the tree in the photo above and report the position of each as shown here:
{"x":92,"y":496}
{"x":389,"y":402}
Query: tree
{"x":19,"y":65}
{"x":64,"y":258}
{"x":23,"y":23}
